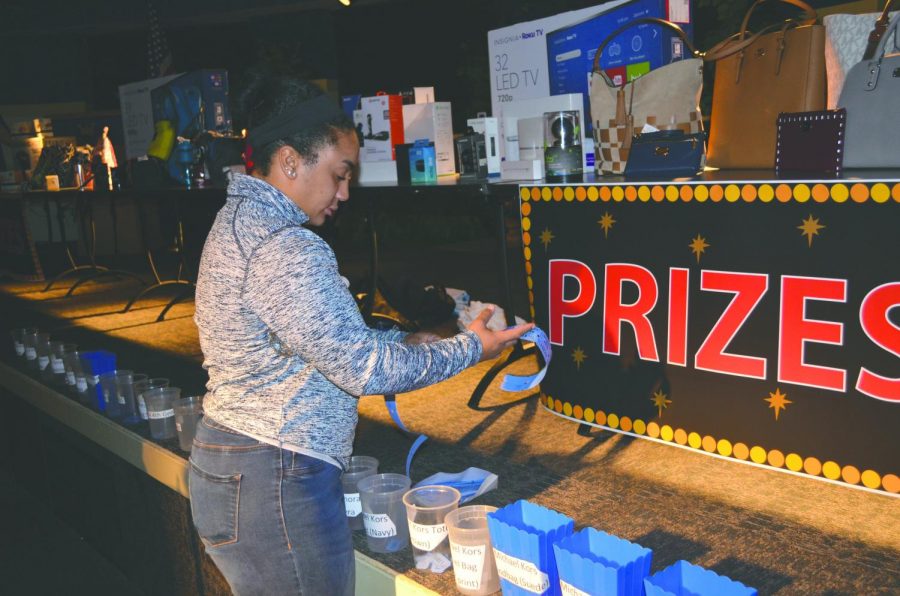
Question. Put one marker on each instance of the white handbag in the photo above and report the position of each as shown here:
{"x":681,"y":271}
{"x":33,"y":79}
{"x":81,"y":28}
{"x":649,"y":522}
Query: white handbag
{"x":845,"y":43}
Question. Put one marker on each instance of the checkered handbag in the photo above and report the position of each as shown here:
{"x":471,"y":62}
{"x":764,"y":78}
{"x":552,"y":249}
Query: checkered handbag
{"x":667,"y":97}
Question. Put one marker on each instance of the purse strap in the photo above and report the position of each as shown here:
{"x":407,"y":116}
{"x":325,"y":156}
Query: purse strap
{"x":877,"y":32}
{"x":739,"y":41}
{"x":880,"y":48}
{"x":642,"y":21}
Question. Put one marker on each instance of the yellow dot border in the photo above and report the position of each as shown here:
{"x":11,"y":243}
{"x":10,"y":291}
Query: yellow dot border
{"x":726,"y":449}
{"x":838,"y":191}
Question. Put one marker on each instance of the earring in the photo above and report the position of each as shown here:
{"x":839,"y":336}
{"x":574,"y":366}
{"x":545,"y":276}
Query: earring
{"x":292,"y":173}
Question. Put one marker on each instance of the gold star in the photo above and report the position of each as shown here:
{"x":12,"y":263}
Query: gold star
{"x":606,"y":222}
{"x":578,"y":356}
{"x":546,"y":237}
{"x":810,"y":227}
{"x":659,"y":400}
{"x":698,"y":246}
{"x":778,"y":401}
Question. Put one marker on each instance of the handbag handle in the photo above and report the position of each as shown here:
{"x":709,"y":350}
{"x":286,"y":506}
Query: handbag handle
{"x":880,"y":48}
{"x":644,"y":20}
{"x":878,"y":31}
{"x":737,"y":42}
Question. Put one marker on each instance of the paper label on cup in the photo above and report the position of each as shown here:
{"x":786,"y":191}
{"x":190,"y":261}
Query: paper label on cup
{"x":43,"y":361}
{"x":570,"y":590}
{"x":160,"y":414}
{"x":352,"y":504}
{"x":177,"y":425}
{"x":30,"y":353}
{"x":20,"y":348}
{"x":426,"y":537}
{"x":94,"y":380}
{"x":106,"y":395}
{"x":58,"y":366}
{"x":70,"y":377}
{"x":142,"y":406}
{"x":120,"y":398}
{"x":521,"y":573}
{"x":468,"y":564}
{"x":81,"y":384}
{"x":379,"y":525}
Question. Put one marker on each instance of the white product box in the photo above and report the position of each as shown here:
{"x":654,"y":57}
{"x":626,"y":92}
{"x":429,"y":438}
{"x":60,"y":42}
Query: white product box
{"x":490,"y":128}
{"x":381,"y":118}
{"x":534,"y":108}
{"x":137,"y":114}
{"x":432,"y":121}
{"x":424,"y":94}
{"x":529,"y":169}
{"x":377,"y":171}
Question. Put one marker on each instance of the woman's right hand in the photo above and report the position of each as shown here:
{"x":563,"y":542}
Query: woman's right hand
{"x":494,"y":342}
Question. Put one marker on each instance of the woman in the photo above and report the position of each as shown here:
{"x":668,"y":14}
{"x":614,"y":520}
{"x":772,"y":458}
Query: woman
{"x":288,"y":354}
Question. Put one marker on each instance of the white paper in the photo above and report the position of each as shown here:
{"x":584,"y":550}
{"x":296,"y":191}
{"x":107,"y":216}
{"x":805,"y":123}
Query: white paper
{"x":43,"y":361}
{"x":379,"y":525}
{"x":425,"y":537}
{"x":570,"y":590}
{"x":468,"y":565}
{"x":521,"y":573}
{"x":20,"y":348}
{"x":70,"y":378}
{"x":81,"y":384}
{"x":160,"y":414}
{"x":352,"y":504}
{"x":58,"y":366}
{"x":30,"y":353}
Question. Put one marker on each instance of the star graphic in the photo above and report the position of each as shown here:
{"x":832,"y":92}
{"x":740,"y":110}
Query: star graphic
{"x":659,"y":400}
{"x":778,"y":401}
{"x":546,"y":237}
{"x":698,"y":246}
{"x":606,"y":222}
{"x":810,"y":227}
{"x":578,"y":356}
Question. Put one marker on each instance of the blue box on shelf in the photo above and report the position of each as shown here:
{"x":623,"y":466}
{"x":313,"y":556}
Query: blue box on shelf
{"x":595,"y":562}
{"x":523,"y":535}
{"x":684,"y":578}
{"x":96,"y":363}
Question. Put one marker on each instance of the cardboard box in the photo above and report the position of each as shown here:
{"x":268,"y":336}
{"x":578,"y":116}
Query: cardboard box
{"x":432,"y":121}
{"x":137,"y":114}
{"x":490,"y":128}
{"x":381,"y":118}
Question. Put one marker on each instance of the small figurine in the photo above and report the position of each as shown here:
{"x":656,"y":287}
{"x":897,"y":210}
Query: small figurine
{"x":105,"y":160}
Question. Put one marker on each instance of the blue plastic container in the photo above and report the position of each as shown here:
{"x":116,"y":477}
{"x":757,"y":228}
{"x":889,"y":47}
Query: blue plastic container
{"x":599,"y":563}
{"x":684,"y":579}
{"x":94,"y":364}
{"x":523,"y":535}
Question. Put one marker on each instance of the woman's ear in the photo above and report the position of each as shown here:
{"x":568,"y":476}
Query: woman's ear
{"x":288,"y":161}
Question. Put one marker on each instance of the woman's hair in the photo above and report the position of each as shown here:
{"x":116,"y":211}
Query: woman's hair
{"x":267,"y":96}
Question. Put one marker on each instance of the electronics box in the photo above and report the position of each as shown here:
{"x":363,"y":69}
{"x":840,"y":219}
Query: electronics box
{"x":490,"y":128}
{"x":381,"y":126}
{"x":377,"y":171}
{"x":636,"y":51}
{"x":137,"y":114}
{"x":432,"y":121}
{"x":535,"y":108}
{"x":194,"y":102}
{"x":530,"y":169}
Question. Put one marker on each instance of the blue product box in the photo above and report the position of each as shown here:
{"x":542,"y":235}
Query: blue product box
{"x":595,"y":562}
{"x":422,"y":162}
{"x":684,"y":578}
{"x":636,"y":51}
{"x":523,"y":535}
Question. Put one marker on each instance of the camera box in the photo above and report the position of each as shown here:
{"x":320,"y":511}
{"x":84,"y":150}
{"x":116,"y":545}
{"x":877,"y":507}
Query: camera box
{"x":489,"y":127}
{"x":381,"y":119}
{"x":432,"y":121}
{"x":416,"y":163}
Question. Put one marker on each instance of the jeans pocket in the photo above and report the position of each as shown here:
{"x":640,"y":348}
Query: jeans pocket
{"x":214,"y":505}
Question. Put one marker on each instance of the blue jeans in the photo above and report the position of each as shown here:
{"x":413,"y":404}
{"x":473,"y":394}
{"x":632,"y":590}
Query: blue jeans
{"x":272,"y":520}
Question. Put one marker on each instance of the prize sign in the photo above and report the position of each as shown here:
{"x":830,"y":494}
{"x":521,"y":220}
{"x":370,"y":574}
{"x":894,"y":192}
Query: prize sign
{"x":758,"y":322}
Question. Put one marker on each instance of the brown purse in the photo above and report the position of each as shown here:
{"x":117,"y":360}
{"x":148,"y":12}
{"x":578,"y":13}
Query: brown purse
{"x":779,"y":69}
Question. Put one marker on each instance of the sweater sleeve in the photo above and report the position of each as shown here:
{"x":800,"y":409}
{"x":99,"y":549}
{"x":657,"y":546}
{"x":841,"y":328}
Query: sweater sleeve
{"x":293,"y":285}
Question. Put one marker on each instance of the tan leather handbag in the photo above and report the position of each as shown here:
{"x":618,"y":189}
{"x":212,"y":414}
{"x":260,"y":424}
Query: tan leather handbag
{"x":781,"y":68}
{"x":667,"y":98}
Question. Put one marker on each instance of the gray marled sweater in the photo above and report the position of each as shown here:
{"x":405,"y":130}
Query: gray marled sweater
{"x":282,"y":338}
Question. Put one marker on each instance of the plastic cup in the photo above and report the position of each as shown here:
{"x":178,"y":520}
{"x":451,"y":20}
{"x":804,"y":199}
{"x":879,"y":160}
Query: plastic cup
{"x":109,"y":388}
{"x":361,"y":466}
{"x":426,"y":508}
{"x":72,"y":363}
{"x":140,"y":387}
{"x":384,"y":515}
{"x":42,"y":347}
{"x":94,"y":364}
{"x":160,"y":412}
{"x":470,"y":547}
{"x":125,"y":397}
{"x":57,"y":362}
{"x":188,"y":411}
{"x":18,"y":340}
{"x":29,"y":339}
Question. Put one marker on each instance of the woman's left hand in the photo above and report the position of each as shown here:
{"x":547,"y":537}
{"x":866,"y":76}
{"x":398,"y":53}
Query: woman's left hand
{"x":421,"y":337}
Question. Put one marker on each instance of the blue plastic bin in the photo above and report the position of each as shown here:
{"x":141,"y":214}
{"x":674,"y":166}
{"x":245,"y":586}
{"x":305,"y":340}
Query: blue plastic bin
{"x":523,"y":535}
{"x":684,"y":579}
{"x":94,"y":364}
{"x":599,"y":563}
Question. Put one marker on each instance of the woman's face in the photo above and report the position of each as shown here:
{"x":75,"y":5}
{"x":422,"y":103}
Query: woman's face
{"x":318,"y":188}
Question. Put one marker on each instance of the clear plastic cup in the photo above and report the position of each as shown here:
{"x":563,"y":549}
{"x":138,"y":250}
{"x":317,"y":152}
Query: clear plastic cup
{"x":109,"y":388}
{"x":30,"y":339}
{"x":384,"y":514}
{"x":57,"y":362}
{"x":42,"y":348}
{"x":72,"y":363}
{"x":470,"y":547}
{"x":18,"y":340}
{"x":188,"y":411}
{"x":361,"y":466}
{"x":426,"y":508}
{"x":140,"y":387}
{"x":160,"y":411}
{"x":128,"y":413}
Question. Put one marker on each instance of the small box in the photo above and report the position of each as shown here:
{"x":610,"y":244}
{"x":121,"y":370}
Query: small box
{"x":432,"y":121}
{"x":528,"y":169}
{"x":51,"y":181}
{"x":381,"y":118}
{"x":423,"y":94}
{"x":416,"y":163}
{"x":490,"y":128}
{"x":377,"y":171}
